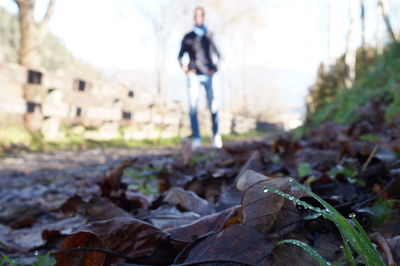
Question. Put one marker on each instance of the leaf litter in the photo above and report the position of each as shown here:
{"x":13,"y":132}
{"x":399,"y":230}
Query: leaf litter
{"x":209,"y":206}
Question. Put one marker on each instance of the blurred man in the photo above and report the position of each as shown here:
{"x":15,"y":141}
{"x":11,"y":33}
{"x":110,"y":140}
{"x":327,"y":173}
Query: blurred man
{"x":200,"y":47}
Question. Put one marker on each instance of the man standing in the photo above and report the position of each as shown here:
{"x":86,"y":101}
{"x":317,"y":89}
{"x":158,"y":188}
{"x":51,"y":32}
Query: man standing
{"x":199,"y":45}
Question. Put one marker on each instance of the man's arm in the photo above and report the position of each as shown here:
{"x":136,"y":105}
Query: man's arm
{"x":215,"y":50}
{"x":181,"y":52}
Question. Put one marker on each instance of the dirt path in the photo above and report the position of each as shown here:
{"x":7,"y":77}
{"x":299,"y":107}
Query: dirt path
{"x":82,"y":162}
{"x":56,"y":176}
{"x":93,"y":160}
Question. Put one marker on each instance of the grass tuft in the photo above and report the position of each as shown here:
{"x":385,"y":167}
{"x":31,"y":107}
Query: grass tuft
{"x":353,"y":235}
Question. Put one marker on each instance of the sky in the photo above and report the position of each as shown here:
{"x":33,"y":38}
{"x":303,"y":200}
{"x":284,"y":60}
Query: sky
{"x":111,"y":34}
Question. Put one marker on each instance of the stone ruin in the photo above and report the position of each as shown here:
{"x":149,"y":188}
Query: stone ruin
{"x":44,"y":101}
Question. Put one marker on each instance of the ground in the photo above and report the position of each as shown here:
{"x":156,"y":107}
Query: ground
{"x":178,"y":206}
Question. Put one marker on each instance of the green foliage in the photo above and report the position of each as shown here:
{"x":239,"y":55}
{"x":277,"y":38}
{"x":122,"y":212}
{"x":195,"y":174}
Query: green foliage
{"x":18,"y":139}
{"x":369,"y":138}
{"x":5,"y":260}
{"x":383,"y":210}
{"x":304,"y":169}
{"x":276,"y":158}
{"x":198,"y":158}
{"x":145,"y":176}
{"x":14,"y":135}
{"x":354,"y":236}
{"x":42,"y":260}
{"x":346,"y":171}
{"x":45,"y":260}
{"x":378,"y":80}
{"x":325,"y":89}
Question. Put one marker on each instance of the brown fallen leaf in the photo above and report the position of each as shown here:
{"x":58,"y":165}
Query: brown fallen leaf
{"x":94,"y":210}
{"x":211,"y":223}
{"x":112,"y":181}
{"x":383,"y":247}
{"x":128,"y":236}
{"x":138,"y":199}
{"x":70,"y":206}
{"x":261,"y":209}
{"x":317,"y":158}
{"x":229,"y":196}
{"x":23,"y":240}
{"x":169,"y":216}
{"x":14,"y":213}
{"x":394,"y":244}
{"x":249,"y":178}
{"x":253,"y":163}
{"x":187,"y":200}
{"x":237,"y":244}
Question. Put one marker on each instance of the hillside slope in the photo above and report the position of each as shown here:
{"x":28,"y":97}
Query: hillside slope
{"x":378,"y":85}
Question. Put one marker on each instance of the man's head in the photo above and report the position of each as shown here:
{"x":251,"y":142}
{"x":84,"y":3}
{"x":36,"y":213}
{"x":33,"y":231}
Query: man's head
{"x":199,"y":14}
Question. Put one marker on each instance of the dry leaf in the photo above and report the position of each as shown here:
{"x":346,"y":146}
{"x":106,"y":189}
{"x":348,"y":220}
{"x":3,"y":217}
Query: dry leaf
{"x":238,"y":243}
{"x":249,"y":178}
{"x":210,"y":223}
{"x":261,"y":209}
{"x":128,"y":236}
{"x":187,"y":200}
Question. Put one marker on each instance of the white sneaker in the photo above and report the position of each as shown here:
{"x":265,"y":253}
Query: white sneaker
{"x":196,"y":143}
{"x":217,"y":141}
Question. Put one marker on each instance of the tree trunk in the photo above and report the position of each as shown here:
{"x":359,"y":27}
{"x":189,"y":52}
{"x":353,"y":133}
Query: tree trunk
{"x":385,"y":15}
{"x":351,"y":49}
{"x":378,"y":31}
{"x":363,"y":42}
{"x":331,"y":39}
{"x":32,"y":32}
{"x":29,"y":47}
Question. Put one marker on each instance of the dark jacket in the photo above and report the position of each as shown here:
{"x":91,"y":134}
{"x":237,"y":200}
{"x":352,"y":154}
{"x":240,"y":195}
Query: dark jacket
{"x":200,"y":52}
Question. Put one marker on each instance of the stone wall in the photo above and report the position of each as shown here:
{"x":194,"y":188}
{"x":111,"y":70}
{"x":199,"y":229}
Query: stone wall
{"x":49,"y":99}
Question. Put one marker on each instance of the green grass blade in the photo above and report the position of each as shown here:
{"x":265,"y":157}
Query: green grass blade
{"x":306,"y":248}
{"x":346,"y":250}
{"x":5,"y":260}
{"x":365,"y":239}
{"x":295,"y":200}
{"x":354,"y":236}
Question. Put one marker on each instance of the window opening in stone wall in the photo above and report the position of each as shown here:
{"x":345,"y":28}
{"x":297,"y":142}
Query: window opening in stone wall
{"x":78,"y":112}
{"x":126,"y":115}
{"x":131,"y":94}
{"x":34,"y":77}
{"x":31,"y":107}
{"x":79,"y":85}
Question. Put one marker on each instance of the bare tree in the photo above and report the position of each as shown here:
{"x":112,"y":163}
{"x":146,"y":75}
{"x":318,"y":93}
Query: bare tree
{"x":385,"y":15}
{"x":164,"y":17}
{"x":378,"y":31}
{"x":32,"y":32}
{"x":363,"y":41}
{"x":331,"y":25}
{"x":351,"y":48}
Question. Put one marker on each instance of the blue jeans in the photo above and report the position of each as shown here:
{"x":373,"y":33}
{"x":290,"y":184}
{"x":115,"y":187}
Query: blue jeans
{"x":195,"y":82}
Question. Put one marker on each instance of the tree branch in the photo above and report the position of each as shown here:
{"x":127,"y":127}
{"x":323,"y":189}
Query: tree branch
{"x":19,"y":3}
{"x":385,"y":14}
{"x":49,"y":12}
